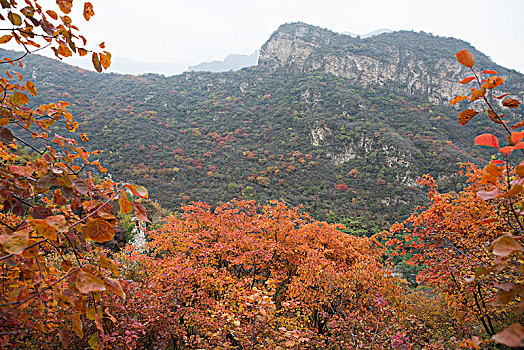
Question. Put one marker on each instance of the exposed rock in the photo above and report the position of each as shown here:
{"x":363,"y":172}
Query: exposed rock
{"x":398,"y":58}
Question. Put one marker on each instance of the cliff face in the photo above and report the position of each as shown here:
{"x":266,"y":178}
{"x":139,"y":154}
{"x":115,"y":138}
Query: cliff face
{"x":415,"y":62}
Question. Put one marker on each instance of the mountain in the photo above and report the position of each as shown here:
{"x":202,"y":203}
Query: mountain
{"x":126,"y":65}
{"x":341,"y":125}
{"x":375,"y":32}
{"x":231,"y":62}
{"x":419,"y":63}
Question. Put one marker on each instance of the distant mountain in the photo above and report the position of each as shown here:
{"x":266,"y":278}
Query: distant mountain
{"x":341,"y":125}
{"x":373,"y":33}
{"x":232,"y":62}
{"x":125,"y":65}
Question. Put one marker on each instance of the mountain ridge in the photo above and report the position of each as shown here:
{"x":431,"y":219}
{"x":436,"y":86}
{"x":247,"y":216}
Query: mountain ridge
{"x":342,"y":148}
{"x":386,"y":58}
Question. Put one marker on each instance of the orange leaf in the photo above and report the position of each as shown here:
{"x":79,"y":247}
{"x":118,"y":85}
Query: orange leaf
{"x":514,"y":190}
{"x":44,"y":229}
{"x":138,"y":190}
{"x":31,"y":88}
{"x":125,"y":205}
{"x":467,"y":80}
{"x":465,"y":58}
{"x":65,"y":5}
{"x":493,"y":82}
{"x":105,"y":59}
{"x":501,"y":96}
{"x":52,"y":14}
{"x":510,"y":102}
{"x":486,"y":71}
{"x":99,"y":230}
{"x":16,"y":242}
{"x":77,"y":325}
{"x":477,"y":93}
{"x":88,"y":11}
{"x":466,"y":115}
{"x":487,"y":140}
{"x":5,"y":38}
{"x":518,"y":125}
{"x":457,"y":99}
{"x":87,"y":282}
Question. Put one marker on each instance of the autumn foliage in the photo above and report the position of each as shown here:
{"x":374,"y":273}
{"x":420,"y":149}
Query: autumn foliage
{"x":250,"y":276}
{"x":54,"y":208}
{"x":469,"y":243}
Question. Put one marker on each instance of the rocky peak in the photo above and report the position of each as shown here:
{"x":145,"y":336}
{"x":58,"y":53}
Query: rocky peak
{"x":415,"y":62}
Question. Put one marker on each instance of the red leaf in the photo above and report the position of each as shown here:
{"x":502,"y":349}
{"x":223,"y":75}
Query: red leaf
{"x":516,"y":136}
{"x":487,"y":140}
{"x":486,"y":71}
{"x":507,"y":150}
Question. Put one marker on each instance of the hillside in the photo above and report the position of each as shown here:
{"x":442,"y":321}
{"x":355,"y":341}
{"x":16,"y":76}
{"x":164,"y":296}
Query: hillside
{"x":341,"y":125}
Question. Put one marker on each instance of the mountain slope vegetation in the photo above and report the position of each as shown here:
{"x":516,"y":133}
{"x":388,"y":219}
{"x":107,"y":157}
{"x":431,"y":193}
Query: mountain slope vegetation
{"x":341,"y":147}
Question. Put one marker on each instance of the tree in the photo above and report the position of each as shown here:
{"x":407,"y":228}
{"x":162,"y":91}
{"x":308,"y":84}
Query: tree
{"x":53,"y":207}
{"x":469,"y":243}
{"x":250,"y":276}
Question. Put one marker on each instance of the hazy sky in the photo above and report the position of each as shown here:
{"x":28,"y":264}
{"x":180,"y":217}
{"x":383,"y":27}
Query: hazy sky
{"x":204,"y":30}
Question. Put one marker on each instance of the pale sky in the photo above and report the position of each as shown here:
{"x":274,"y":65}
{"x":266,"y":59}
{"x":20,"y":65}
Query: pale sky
{"x":193,"y":31}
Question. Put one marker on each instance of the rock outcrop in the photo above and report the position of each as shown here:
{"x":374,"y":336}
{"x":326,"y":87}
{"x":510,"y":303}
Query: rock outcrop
{"x":416,"y":62}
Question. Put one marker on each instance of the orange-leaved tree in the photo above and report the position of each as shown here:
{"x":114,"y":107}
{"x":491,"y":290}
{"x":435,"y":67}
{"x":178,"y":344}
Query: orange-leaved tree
{"x":51,"y":207}
{"x":250,"y":276}
{"x":470,"y":242}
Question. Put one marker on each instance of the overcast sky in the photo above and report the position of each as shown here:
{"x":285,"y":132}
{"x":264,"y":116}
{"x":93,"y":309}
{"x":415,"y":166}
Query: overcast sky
{"x":193,"y":31}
